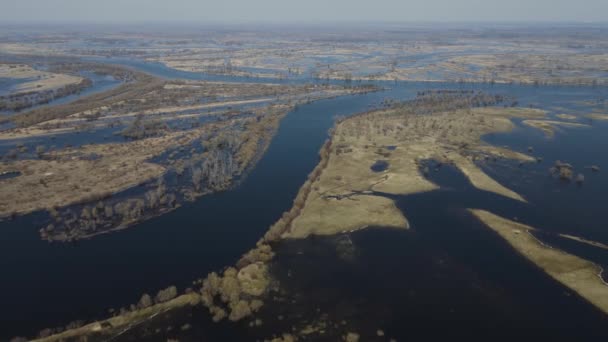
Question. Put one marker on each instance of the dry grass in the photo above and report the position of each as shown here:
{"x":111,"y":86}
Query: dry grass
{"x":479,"y":179}
{"x":67,"y":178}
{"x":340,"y":196}
{"x":328,"y":217}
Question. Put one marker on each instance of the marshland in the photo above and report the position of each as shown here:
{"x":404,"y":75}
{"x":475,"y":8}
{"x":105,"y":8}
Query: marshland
{"x":303,"y":184}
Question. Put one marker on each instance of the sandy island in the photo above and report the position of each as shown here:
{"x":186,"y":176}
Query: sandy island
{"x":549,"y":127}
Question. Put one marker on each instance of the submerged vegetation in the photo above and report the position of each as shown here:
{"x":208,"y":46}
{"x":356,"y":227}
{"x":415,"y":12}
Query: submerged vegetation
{"x":170,"y":154}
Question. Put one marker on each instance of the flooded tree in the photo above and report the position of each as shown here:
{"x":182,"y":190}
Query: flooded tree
{"x":166,"y":294}
{"x":145,"y":301}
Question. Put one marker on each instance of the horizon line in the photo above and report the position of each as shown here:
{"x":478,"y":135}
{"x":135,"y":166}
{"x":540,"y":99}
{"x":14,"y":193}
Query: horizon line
{"x":14,"y":22}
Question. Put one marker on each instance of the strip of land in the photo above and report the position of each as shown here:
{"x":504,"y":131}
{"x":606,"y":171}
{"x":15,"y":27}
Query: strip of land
{"x":580,"y":275}
{"x":549,"y":127}
{"x":117,"y":325}
{"x":598,"y":116}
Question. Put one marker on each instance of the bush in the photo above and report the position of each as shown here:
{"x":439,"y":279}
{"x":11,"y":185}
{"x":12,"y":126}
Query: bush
{"x":166,"y":294}
{"x":145,"y":301}
{"x":239,"y":310}
{"x":565,"y":173}
{"x":40,"y":149}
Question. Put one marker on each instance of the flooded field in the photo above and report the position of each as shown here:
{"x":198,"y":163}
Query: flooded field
{"x":442,"y":268}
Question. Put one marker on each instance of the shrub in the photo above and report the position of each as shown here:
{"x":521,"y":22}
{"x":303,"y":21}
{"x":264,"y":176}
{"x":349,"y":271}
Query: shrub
{"x":239,"y":310}
{"x":40,"y":150}
{"x":565,"y":173}
{"x":166,"y":294}
{"x":145,"y":301}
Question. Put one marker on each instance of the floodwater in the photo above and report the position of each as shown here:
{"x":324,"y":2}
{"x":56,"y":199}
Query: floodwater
{"x":379,"y":166}
{"x":446,"y":271}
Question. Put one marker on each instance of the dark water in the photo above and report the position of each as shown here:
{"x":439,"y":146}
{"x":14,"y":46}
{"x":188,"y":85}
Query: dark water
{"x":575,"y":209}
{"x":449,"y":277}
{"x":9,"y":174}
{"x":58,"y":141}
{"x":379,"y":166}
{"x":51,"y":284}
{"x":8,"y":84}
{"x":85,"y":278}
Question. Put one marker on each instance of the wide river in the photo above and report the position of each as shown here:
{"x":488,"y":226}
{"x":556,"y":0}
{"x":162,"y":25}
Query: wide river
{"x":48,"y":284}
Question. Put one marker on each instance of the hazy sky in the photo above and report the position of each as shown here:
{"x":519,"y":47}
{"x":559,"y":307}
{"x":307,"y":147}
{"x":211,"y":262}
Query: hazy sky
{"x":302,"y":10}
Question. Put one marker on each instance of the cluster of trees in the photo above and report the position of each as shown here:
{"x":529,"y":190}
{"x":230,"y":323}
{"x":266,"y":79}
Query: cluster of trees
{"x":141,"y":84}
{"x":219,"y":165}
{"x":144,"y":127}
{"x":104,"y":215}
{"x":446,"y":117}
{"x":21,"y":148}
{"x":212,"y":170}
{"x":551,"y":72}
{"x":225,"y":68}
{"x":20,"y":101}
{"x":441,"y":100}
{"x":229,"y":295}
{"x":117,"y":72}
{"x":147,"y":301}
{"x":565,"y":172}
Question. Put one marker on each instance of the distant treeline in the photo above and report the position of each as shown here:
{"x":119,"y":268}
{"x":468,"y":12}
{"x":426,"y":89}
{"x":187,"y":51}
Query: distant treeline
{"x":21,"y":101}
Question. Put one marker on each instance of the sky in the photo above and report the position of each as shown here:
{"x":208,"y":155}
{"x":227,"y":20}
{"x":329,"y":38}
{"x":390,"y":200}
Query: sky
{"x":285,"y":11}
